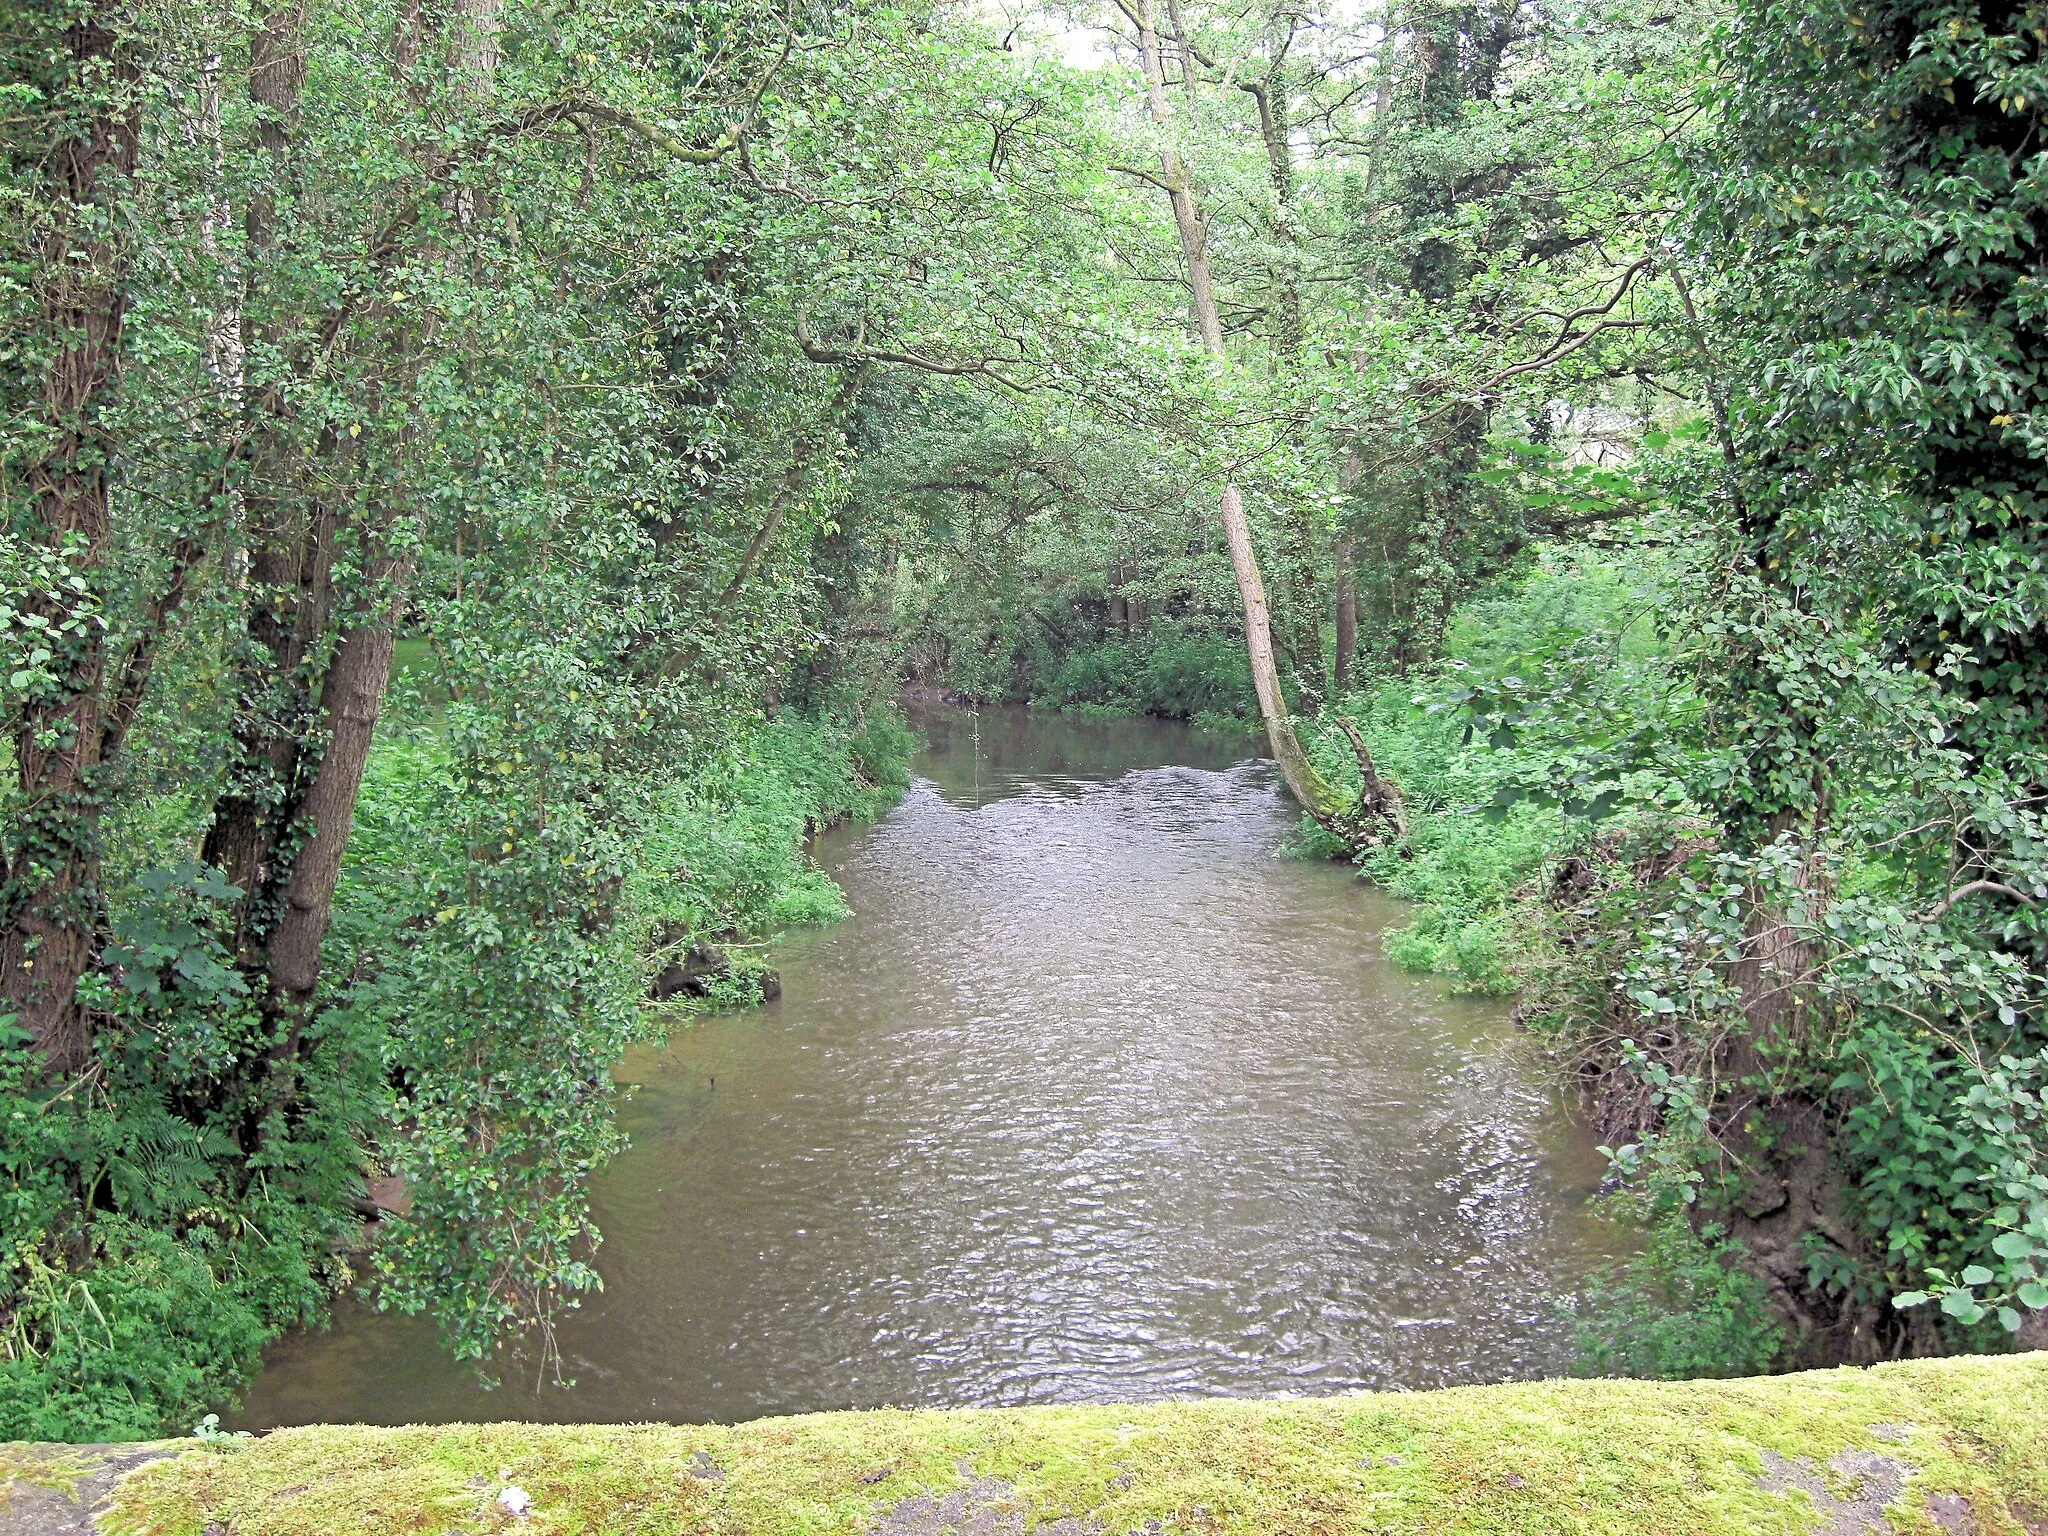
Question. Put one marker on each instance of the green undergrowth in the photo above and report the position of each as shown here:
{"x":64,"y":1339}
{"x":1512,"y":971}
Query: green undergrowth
{"x":1683,"y":1308}
{"x":1535,"y":740}
{"x":1685,"y":1459}
{"x":133,"y":1303}
{"x":155,"y":1324}
{"x":1562,"y":848}
{"x":1163,"y":670}
{"x":725,"y":856}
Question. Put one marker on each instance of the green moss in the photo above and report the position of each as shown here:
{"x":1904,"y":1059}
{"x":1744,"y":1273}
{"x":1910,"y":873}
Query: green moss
{"x":1582,"y":1456}
{"x":23,"y":1467}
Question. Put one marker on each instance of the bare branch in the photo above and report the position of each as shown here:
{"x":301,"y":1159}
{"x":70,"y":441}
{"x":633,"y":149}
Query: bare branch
{"x":860,"y":352}
{"x":1998,"y":887}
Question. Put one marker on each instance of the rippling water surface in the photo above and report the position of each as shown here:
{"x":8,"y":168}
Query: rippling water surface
{"x":1092,"y":1099}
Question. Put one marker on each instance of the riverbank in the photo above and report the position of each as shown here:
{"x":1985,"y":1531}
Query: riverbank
{"x":1949,"y":1445}
{"x":1076,"y":1105}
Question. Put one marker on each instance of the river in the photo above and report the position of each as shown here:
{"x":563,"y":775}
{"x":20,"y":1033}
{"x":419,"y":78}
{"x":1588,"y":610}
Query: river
{"x":1094,"y":1098}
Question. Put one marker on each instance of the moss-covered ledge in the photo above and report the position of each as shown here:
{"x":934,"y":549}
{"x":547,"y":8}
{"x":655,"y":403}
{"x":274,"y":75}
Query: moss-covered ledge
{"x":1928,"y":1446}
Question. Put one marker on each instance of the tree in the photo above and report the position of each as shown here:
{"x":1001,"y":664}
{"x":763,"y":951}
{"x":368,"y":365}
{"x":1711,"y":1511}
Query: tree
{"x":1300,"y":776}
{"x":71,"y":696}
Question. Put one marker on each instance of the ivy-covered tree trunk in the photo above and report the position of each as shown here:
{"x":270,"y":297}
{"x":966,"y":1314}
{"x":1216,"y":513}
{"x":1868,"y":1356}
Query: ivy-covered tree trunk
{"x":284,"y":591}
{"x":50,"y":866}
{"x":317,"y":655}
{"x":351,"y":690}
{"x":1780,"y":1195}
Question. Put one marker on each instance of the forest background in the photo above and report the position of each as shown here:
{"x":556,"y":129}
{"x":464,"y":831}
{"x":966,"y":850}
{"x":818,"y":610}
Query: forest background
{"x":477,"y":473}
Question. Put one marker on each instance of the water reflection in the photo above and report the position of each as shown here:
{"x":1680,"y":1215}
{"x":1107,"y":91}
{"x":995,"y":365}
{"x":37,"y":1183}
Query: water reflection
{"x":1093,"y":1098}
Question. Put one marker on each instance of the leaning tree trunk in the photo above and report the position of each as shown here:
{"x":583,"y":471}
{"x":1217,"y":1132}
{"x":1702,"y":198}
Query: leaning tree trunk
{"x":1296,"y":772}
{"x":49,"y":872}
{"x":1301,"y":610}
{"x":352,"y":689}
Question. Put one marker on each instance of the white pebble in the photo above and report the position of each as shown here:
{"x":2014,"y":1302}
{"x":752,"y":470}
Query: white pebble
{"x":514,"y":1501}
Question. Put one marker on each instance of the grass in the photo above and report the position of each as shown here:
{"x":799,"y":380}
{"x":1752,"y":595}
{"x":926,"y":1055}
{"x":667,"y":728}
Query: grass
{"x":1580,"y":1456}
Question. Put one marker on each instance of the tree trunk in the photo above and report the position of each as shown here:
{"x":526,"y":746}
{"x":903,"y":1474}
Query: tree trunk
{"x":242,"y":835}
{"x":50,"y":869}
{"x":1274,"y":129}
{"x":791,"y":480}
{"x":1782,"y":1191}
{"x":1296,"y":772}
{"x":350,"y":697}
{"x":303,"y":741}
{"x":1299,"y":775}
{"x":1301,"y":620}
{"x":352,"y":689}
{"x":786,"y":487}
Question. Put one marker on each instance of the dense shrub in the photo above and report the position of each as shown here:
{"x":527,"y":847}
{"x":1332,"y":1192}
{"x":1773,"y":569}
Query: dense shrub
{"x":1683,"y":1308}
{"x":1522,"y":748}
{"x":723,"y":855}
{"x":1559,"y":774}
{"x":155,"y":1330}
{"x":477,"y":994}
{"x":534,"y":1001}
{"x":1163,"y":671}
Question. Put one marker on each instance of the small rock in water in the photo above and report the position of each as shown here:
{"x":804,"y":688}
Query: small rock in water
{"x":514,"y":1501}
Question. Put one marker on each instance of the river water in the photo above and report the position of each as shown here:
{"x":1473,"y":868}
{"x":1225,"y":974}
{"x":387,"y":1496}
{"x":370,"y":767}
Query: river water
{"x":1093,"y":1099}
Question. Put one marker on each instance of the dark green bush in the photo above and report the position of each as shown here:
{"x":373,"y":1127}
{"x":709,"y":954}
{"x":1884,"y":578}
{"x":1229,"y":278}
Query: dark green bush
{"x":1164,"y":671}
{"x":139,"y":1280}
{"x":1527,"y":744}
{"x":1685,"y":1307}
{"x":723,"y":855}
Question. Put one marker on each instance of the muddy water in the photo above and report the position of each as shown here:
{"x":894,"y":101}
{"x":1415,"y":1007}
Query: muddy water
{"x":1094,"y":1098}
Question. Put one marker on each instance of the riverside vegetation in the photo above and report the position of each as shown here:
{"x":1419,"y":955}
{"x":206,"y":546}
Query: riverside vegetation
{"x":475,"y":473}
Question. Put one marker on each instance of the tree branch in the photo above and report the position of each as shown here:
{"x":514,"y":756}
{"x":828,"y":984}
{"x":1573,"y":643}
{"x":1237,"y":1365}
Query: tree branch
{"x":1998,"y":887}
{"x":860,"y":352}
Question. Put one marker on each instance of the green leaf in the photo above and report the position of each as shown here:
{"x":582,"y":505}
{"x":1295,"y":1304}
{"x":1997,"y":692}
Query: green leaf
{"x":1961,"y":1306}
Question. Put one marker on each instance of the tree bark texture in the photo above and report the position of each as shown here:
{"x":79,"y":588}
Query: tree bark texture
{"x":1783,"y":1191}
{"x":50,"y":874}
{"x":286,"y":591}
{"x":317,"y":660}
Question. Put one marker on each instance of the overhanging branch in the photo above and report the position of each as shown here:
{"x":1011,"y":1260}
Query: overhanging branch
{"x":858,"y":351}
